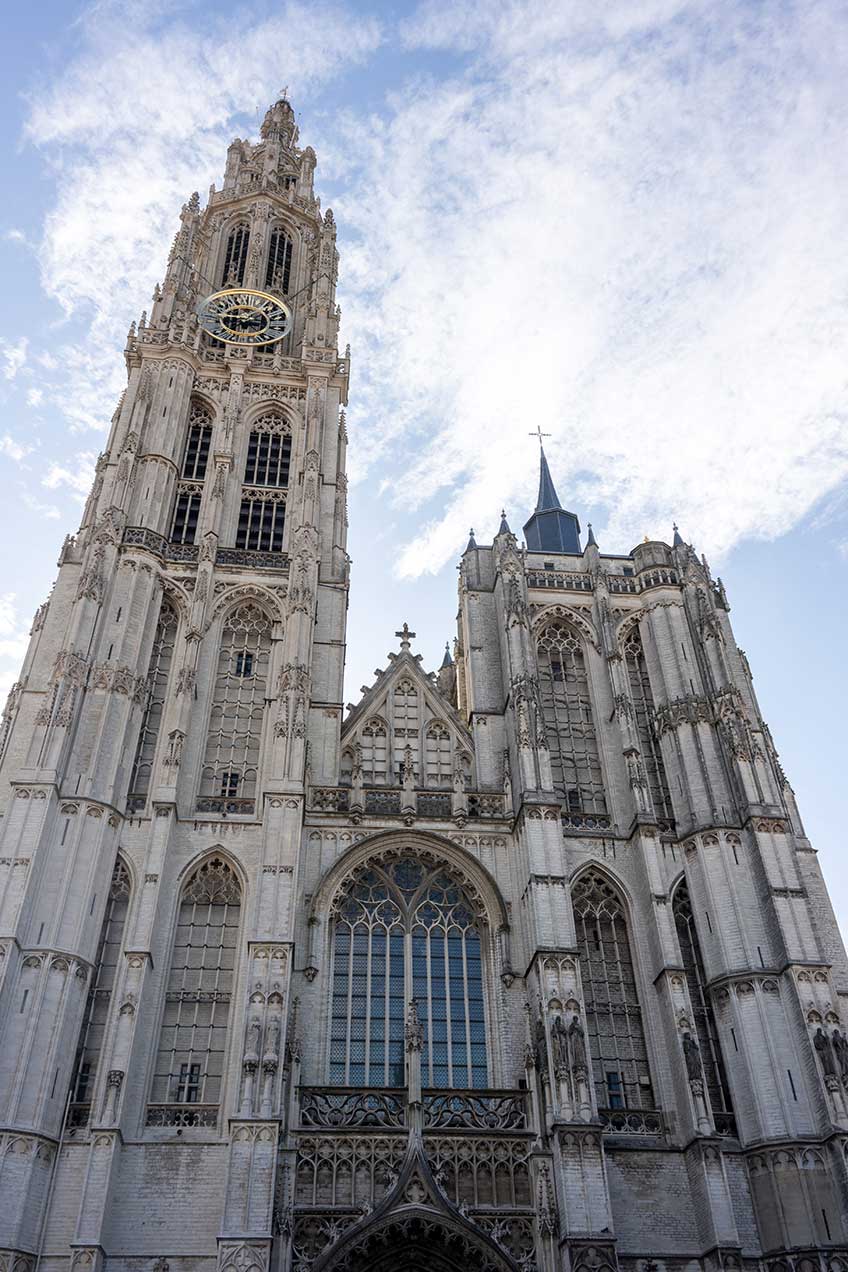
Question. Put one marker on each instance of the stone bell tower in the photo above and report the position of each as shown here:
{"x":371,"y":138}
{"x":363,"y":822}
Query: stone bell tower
{"x":183,"y":674}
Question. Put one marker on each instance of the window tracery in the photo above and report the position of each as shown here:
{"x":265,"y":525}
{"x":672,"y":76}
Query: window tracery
{"x":375,"y":751}
{"x":705,"y":1025}
{"x":192,"y":1040}
{"x":235,"y":256}
{"x":278,"y":269}
{"x":614,"y":1023}
{"x":100,"y":993}
{"x":569,"y":721}
{"x":231,"y":759}
{"x":158,"y":673}
{"x":402,"y":931}
{"x":266,"y":476}
{"x":198,"y":441}
{"x":643,"y":705}
{"x":438,"y":754}
{"x":405,"y":722}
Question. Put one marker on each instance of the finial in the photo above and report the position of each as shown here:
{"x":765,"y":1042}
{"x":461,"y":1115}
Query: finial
{"x":447,"y":661}
{"x":504,"y":527}
{"x":537,"y":432}
{"x":405,"y":637}
{"x":472,"y":542}
{"x":591,"y":541}
{"x":677,"y":541}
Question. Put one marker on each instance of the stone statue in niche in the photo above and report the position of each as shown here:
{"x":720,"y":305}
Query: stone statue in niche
{"x":692,"y":1056}
{"x":577,"y":1044}
{"x":559,"y":1042}
{"x":541,"y":1049}
{"x":821,"y":1042}
{"x":840,"y":1048}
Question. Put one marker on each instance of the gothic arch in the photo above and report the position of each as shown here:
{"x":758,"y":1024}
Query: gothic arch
{"x":215,"y":851}
{"x":248,"y":594}
{"x":625,"y":627}
{"x":267,"y":406}
{"x":199,"y":398}
{"x":475,"y":879}
{"x":565,"y":613}
{"x":178,"y":598}
{"x":614,"y":880}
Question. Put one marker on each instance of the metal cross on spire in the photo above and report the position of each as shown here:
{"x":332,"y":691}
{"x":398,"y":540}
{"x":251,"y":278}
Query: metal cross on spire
{"x":405,"y":636}
{"x":537,"y":432}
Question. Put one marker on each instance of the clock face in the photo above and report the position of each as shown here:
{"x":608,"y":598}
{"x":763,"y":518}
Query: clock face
{"x":243,"y":317}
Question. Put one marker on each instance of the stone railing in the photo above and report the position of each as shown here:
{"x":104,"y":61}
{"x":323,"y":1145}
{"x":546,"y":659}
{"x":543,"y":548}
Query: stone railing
{"x":252,"y":559}
{"x":725,"y":1124}
{"x":221,"y":804}
{"x":476,"y":1110}
{"x":141,"y":537}
{"x":337,"y":1108}
{"x":345,"y":1108}
{"x":563,"y":580}
{"x":632,"y":1122}
{"x":182,"y":1115}
{"x":586,"y":821}
{"x":386,"y":801}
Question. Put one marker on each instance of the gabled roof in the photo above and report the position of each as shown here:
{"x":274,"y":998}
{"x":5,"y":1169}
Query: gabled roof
{"x":403,"y":664}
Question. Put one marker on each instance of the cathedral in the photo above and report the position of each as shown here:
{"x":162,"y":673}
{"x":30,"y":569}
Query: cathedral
{"x":521,"y":963}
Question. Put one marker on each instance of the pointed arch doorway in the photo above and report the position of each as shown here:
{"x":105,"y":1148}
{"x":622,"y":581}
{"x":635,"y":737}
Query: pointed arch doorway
{"x":418,"y":1240}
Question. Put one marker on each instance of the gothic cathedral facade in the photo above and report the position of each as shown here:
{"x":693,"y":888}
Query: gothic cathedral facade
{"x":525,"y":963}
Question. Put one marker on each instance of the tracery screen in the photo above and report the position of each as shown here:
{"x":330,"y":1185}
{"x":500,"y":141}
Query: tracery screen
{"x":403,"y":931}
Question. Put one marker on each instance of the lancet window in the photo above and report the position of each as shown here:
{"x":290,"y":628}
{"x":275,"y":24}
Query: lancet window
{"x":614,"y":1024}
{"x":569,"y":722}
{"x":198,"y":441}
{"x":235,"y":256}
{"x":374,"y":740}
{"x":405,"y":721}
{"x":158,"y":673}
{"x":705,"y":1025}
{"x":278,"y":270}
{"x":189,"y":1068}
{"x":231,"y":759}
{"x":266,"y":476}
{"x":643,"y":705}
{"x":438,"y":754}
{"x":100,"y":995}
{"x":400,"y":931}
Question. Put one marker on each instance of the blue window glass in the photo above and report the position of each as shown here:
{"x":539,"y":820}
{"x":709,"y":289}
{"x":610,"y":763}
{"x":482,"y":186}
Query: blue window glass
{"x":402,"y":932}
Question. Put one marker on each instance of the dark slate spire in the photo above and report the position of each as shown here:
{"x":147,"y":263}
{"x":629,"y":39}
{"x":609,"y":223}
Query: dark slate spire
{"x":591,"y":542}
{"x":551,"y":528}
{"x":504,"y":523}
{"x":447,"y":661}
{"x":677,"y":542}
{"x":472,"y":542}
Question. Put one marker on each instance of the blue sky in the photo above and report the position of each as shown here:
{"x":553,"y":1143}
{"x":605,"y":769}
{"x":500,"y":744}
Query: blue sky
{"x":622,"y":222}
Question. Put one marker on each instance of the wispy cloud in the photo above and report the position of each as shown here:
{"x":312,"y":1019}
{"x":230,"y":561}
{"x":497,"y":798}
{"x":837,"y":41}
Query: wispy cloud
{"x":624,"y":223}
{"x":14,"y":637}
{"x":13,"y":355}
{"x":34,"y":397}
{"x":14,"y":450}
{"x":78,"y":479}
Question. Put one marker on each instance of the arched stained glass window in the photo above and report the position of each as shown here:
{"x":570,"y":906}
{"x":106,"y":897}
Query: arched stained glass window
{"x":193,"y":1036}
{"x":705,"y":1025}
{"x":235,"y":256}
{"x":100,"y":995}
{"x":643,"y":705}
{"x":613,"y":1013}
{"x":404,"y":931}
{"x":569,"y":723}
{"x":158,"y":672}
{"x":375,"y":741}
{"x":278,"y":269}
{"x":438,"y":754}
{"x":231,"y":759}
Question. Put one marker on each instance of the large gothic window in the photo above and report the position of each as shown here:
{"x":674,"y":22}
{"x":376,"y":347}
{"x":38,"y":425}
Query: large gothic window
{"x":235,"y":256}
{"x":643,"y":705}
{"x":374,"y":740}
{"x":705,"y":1025}
{"x":278,"y":270}
{"x":613,"y":1014}
{"x":158,"y":672}
{"x":231,"y":759}
{"x":404,"y":931}
{"x":569,"y":723}
{"x":100,"y":996}
{"x":189,"y":1069}
{"x":198,"y":441}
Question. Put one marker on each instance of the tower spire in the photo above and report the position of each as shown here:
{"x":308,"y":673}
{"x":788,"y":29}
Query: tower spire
{"x":551,"y":528}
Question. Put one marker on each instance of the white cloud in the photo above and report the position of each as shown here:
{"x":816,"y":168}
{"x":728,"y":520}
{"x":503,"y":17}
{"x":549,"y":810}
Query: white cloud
{"x":41,"y":509}
{"x":34,"y":397}
{"x":106,"y":239}
{"x":15,"y":236}
{"x":14,"y":638}
{"x":624,"y":223}
{"x":78,"y":479}
{"x":14,"y":450}
{"x":13,"y":355}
